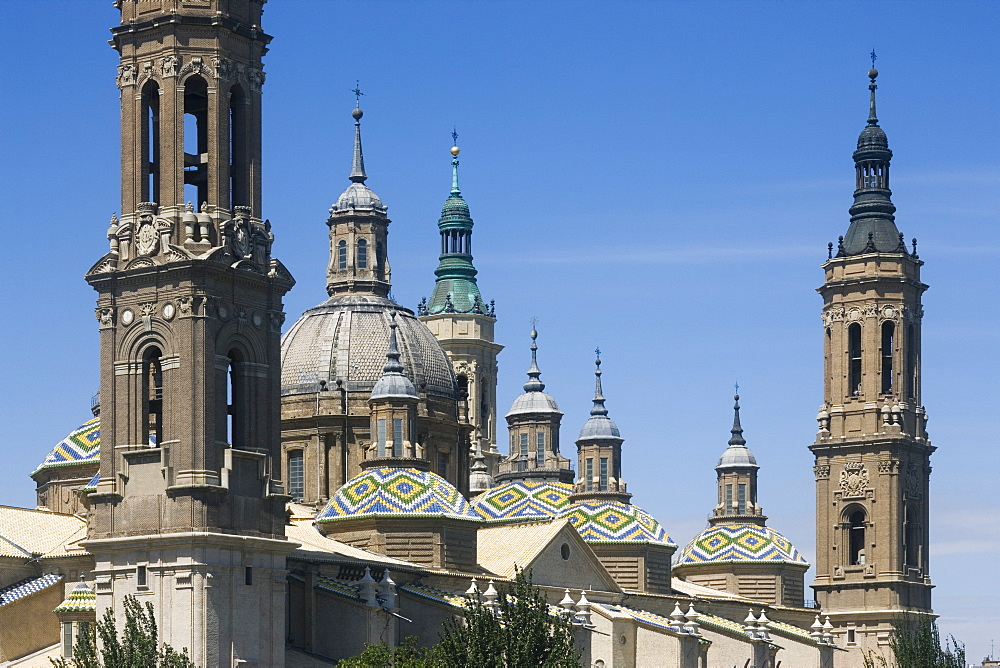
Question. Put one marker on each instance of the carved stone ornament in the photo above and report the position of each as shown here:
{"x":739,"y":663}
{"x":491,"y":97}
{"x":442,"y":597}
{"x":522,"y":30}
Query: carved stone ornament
{"x":887,"y":465}
{"x":854,"y":479}
{"x":822,"y":471}
{"x":256,"y":79}
{"x":168,"y":310}
{"x":147,"y":239}
{"x":105,"y":316}
{"x":224,"y":68}
{"x":169,"y":65}
{"x":126,"y":75}
{"x":128,"y":317}
{"x":242,"y":237}
{"x":870,"y":310}
{"x":913,"y":482}
{"x":854,"y":314}
{"x":197,"y":66}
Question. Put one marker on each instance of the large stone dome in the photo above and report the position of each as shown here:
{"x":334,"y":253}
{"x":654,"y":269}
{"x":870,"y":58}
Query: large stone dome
{"x":346,"y":338}
{"x":740,"y":543}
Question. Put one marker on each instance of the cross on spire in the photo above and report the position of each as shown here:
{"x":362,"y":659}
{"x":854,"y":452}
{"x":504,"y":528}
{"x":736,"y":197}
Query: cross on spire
{"x":737,"y":386}
{"x":873,"y":57}
{"x":454,"y":136}
{"x":357,"y":93}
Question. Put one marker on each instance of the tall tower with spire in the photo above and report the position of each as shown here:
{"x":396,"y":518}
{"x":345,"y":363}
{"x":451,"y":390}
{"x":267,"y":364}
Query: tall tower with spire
{"x":872,"y":450}
{"x":599,"y":452}
{"x":189,"y":508}
{"x":332,"y":359}
{"x":463,"y":323}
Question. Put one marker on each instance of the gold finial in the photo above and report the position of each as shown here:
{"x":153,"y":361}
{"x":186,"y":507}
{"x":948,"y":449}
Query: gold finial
{"x":455,"y":150}
{"x":454,"y":138}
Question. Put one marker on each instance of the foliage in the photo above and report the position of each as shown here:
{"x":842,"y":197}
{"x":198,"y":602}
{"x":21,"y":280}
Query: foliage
{"x":916,"y":643}
{"x":406,"y":655}
{"x":137,"y":648}
{"x":521,"y":633}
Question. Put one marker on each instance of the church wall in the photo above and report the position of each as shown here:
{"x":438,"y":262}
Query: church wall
{"x":428,"y":618}
{"x":58,"y":488}
{"x":343,"y":627}
{"x":28,"y":624}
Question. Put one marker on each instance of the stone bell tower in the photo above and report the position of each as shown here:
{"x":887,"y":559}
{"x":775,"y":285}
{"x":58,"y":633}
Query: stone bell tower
{"x":189,"y":510}
{"x":872,"y":450}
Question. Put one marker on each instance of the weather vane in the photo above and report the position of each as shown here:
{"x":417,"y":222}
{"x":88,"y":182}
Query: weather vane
{"x":873,"y":58}
{"x":737,"y":386}
{"x":454,"y":136}
{"x":357,"y":93}
{"x":534,"y":322}
{"x":598,"y":351}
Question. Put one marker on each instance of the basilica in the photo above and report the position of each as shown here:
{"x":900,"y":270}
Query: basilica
{"x":286,"y":499}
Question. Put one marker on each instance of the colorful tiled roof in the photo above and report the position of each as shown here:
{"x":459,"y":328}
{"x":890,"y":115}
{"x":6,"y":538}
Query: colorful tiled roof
{"x":92,"y":485}
{"x":615,"y":522}
{"x":26,"y":587}
{"x":82,"y":446}
{"x":396,"y":491}
{"x":729,"y":543}
{"x":337,"y":587}
{"x":81,"y":599}
{"x":523,"y":501}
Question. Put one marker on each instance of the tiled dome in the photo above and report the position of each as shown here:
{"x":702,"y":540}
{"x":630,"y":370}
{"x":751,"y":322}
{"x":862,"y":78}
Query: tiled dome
{"x":523,"y":501}
{"x":734,"y":543}
{"x":614,"y":522}
{"x":82,"y":446}
{"x":346,"y":338}
{"x":383,"y":492}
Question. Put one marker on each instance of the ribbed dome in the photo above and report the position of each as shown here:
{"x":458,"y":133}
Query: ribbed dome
{"x":358,"y":196}
{"x":737,"y":456}
{"x":386,"y":492}
{"x":523,"y":501}
{"x":614,"y":522}
{"x":393,"y":384}
{"x":599,"y":427}
{"x":740,"y":543}
{"x":873,"y":137}
{"x":346,"y":338}
{"x":533,"y":402}
{"x":454,"y":206}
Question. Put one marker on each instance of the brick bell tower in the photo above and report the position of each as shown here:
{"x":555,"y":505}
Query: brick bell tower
{"x":189,"y":511}
{"x":872,"y":450}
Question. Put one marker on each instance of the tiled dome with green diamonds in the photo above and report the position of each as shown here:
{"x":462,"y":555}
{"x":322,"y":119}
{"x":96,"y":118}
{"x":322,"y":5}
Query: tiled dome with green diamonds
{"x":740,"y":543}
{"x":614,"y":522}
{"x":523,"y":501}
{"x":387,"y":492}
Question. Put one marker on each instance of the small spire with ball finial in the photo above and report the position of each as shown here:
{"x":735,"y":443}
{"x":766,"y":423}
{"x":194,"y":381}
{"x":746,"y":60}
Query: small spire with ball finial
{"x":455,"y":191}
{"x":358,"y":164}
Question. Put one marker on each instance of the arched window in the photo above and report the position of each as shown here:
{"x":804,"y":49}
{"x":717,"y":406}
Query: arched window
{"x":151,"y":142}
{"x":296,"y":475}
{"x":888,"y":337}
{"x":603,"y":480}
{"x":236,"y":402}
{"x":741,"y":499}
{"x":911,"y":535}
{"x":239,"y":171}
{"x":362,"y":254}
{"x":911,"y":362}
{"x":196,"y":139}
{"x":827,"y":349}
{"x":342,"y":255}
{"x":856,"y":537}
{"x":539,"y":449}
{"x":152,"y":395}
{"x":854,"y":360}
{"x":463,"y":386}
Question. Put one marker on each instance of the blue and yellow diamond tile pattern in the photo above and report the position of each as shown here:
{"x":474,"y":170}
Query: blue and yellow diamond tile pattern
{"x":613,"y":521}
{"x":731,"y":543}
{"x":523,"y":501}
{"x":396,"y":491}
{"x":81,"y":599}
{"x":27,"y":587}
{"x":83,"y":445}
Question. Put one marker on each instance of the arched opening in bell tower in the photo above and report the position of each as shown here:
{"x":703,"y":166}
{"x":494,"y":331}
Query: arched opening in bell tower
{"x":235,"y":401}
{"x":362,"y":257}
{"x":854,"y":360}
{"x":195,"y":139}
{"x":888,"y":339}
{"x":238,"y":169}
{"x":152,"y":395}
{"x":856,"y":537}
{"x":150,"y":104}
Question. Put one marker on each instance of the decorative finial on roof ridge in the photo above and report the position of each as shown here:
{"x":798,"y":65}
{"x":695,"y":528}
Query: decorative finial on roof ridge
{"x":358,"y":164}
{"x":455,"y":150}
{"x":534,"y":383}
{"x":392,"y":364}
{"x":599,"y":408}
{"x":737,"y":430}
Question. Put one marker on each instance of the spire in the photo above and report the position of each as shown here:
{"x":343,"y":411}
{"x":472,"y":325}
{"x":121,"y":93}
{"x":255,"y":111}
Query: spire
{"x":737,"y":429}
{"x":455,"y":289}
{"x":599,"y":408}
{"x":873,"y":226}
{"x":393,"y":383}
{"x":455,"y":150}
{"x":534,"y":383}
{"x":358,"y":164}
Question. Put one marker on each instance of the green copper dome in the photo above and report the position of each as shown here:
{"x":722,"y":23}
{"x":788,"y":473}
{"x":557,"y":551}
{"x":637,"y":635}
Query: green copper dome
{"x":455,"y":290}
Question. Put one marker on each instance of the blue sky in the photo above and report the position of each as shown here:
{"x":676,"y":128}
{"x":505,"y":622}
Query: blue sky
{"x":657,"y":178}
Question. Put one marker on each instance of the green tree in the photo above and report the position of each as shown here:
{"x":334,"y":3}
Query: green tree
{"x":522,"y":632}
{"x":406,"y":655}
{"x":138,"y":647}
{"x":916,"y":643}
